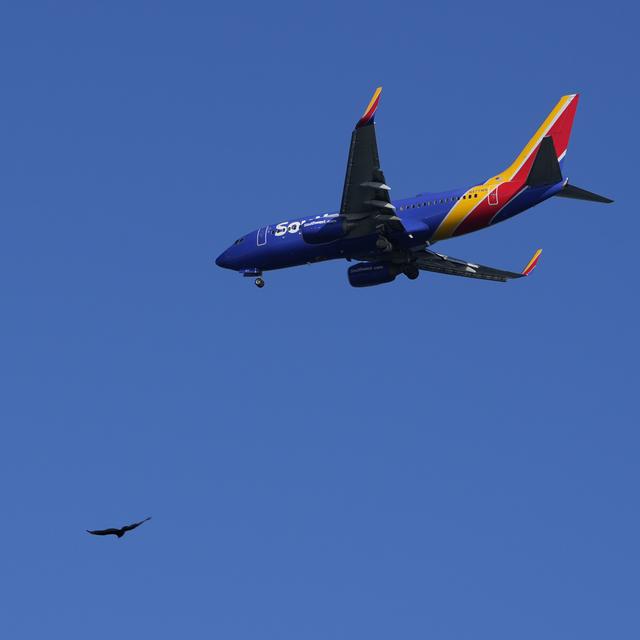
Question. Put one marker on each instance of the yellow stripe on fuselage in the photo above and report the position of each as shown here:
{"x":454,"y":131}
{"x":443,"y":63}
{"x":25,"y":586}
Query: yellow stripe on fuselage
{"x":460,"y":210}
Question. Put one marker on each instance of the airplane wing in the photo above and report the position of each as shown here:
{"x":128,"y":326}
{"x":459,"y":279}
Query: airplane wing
{"x":430,"y":261}
{"x":366,"y":196}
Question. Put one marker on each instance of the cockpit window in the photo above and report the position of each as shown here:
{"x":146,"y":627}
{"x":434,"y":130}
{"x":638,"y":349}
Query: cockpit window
{"x":238,"y":241}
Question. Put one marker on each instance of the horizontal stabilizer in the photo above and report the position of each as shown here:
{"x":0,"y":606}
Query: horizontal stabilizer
{"x":545,"y":169}
{"x":569,"y":191}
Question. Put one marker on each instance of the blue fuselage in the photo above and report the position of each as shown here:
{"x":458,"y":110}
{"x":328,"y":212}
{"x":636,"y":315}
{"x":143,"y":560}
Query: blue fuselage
{"x":281,"y":245}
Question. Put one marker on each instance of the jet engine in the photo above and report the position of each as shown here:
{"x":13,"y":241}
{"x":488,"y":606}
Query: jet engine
{"x":323,"y":230}
{"x":368,"y":274}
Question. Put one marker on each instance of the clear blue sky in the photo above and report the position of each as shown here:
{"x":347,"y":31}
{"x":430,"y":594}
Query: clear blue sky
{"x":441,"y":458}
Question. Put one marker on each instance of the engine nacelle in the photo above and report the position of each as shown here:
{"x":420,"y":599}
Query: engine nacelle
{"x":368,"y":274}
{"x":323,"y":230}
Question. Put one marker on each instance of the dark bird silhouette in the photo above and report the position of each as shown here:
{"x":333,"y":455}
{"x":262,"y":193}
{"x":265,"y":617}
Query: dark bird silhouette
{"x":117,"y":532}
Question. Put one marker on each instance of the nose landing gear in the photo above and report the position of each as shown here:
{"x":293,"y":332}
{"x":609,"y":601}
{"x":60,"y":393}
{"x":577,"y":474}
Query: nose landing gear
{"x":257,"y":273}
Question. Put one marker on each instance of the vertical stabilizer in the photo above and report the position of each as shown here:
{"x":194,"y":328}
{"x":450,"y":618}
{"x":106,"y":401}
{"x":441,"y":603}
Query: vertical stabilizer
{"x":557,"y":127}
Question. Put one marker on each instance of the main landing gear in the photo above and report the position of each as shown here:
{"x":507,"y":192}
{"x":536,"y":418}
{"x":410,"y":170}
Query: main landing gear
{"x":411,"y":271}
{"x":259,"y":282}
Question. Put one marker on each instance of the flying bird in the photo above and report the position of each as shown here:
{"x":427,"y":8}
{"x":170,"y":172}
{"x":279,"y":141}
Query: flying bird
{"x":117,"y":532}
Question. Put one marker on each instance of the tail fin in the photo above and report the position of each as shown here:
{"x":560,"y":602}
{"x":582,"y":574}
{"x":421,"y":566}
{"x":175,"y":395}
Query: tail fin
{"x":540,"y":162}
{"x":557,"y":128}
{"x":548,"y":152}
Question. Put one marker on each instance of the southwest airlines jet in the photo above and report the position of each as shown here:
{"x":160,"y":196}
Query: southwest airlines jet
{"x":391,"y":237}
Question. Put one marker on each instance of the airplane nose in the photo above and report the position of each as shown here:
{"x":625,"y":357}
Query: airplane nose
{"x":222,"y":260}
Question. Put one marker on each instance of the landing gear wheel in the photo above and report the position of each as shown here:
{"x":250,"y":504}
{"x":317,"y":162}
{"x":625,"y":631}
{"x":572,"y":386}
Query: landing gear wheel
{"x":259,"y":283}
{"x":412,"y":272}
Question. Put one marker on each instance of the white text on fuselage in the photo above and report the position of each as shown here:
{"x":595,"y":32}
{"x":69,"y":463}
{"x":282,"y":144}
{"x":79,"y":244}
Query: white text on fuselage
{"x":283,"y":228}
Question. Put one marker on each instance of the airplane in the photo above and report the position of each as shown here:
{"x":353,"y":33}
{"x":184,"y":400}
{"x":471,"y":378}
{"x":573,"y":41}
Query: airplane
{"x":391,"y":237}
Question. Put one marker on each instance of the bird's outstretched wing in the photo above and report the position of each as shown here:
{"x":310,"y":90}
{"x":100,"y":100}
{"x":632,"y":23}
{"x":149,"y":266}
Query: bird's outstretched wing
{"x":104,"y":532}
{"x":130,"y":527}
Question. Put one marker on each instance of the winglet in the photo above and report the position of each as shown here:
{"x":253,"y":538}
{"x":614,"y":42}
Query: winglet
{"x":370,"y":112}
{"x":532,"y":263}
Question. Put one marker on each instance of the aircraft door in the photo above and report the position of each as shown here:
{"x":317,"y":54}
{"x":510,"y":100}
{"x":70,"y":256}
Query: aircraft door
{"x":493,"y":197}
{"x":261,"y":238}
